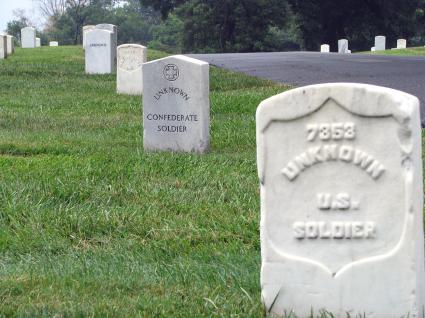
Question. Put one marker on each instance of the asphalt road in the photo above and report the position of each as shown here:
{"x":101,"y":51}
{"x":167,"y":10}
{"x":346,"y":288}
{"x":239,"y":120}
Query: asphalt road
{"x":306,"y":68}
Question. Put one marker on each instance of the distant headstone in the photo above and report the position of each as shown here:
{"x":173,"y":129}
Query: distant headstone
{"x":342,"y":46}
{"x":176,"y":108}
{"x":111,"y":28}
{"x":53,"y":43}
{"x":324,"y":48}
{"x":401,"y":43}
{"x":37,"y":42}
{"x":341,"y":202}
{"x":87,"y":28}
{"x":373,"y":49}
{"x":130,"y":58}
{"x":3,"y":47}
{"x":380,"y":43}
{"x":28,"y":38}
{"x":10,"y":45}
{"x":100,"y":52}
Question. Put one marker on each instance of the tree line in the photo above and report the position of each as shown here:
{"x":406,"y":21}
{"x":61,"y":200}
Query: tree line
{"x":234,"y":26}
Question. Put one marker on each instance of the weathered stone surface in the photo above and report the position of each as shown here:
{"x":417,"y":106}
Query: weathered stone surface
{"x":380,"y":43}
{"x":130,"y":58}
{"x":401,"y":43}
{"x":100,"y":52}
{"x":3,"y":47}
{"x":341,"y":202}
{"x":176,"y":108}
{"x":53,"y":43}
{"x":87,"y":28}
{"x":37,"y":42}
{"x":28,"y":38}
{"x":342,"y":46}
{"x":324,"y":48}
{"x":10,"y":45}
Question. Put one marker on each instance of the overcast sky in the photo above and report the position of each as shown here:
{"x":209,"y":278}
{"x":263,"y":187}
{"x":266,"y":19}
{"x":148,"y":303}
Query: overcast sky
{"x":7,"y":7}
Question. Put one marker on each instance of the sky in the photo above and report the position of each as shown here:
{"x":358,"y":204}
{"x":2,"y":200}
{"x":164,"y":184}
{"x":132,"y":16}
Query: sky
{"x":7,"y":7}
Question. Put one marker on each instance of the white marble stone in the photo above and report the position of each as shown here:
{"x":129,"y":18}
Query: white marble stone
{"x":10,"y":45}
{"x":341,"y":202}
{"x":111,"y":28}
{"x":343,"y":46}
{"x":401,"y":43}
{"x":380,"y":43}
{"x":373,"y":49}
{"x":3,"y":47}
{"x":176,"y":108}
{"x":87,"y":28}
{"x":100,"y":52}
{"x":53,"y":43}
{"x":130,"y":58}
{"x":37,"y":42}
{"x":324,"y":48}
{"x":28,"y":38}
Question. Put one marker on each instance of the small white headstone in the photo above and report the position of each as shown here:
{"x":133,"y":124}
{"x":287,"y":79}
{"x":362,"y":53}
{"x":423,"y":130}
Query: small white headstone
{"x":10,"y":45}
{"x":380,"y":43}
{"x":341,"y":202}
{"x":37,"y":42}
{"x":130,"y":58}
{"x":28,"y":38}
{"x":176,"y":108}
{"x":100,"y":52}
{"x":53,"y":43}
{"x":324,"y":48}
{"x":373,"y":49}
{"x":3,"y":47}
{"x":342,"y":46}
{"x":401,"y":43}
{"x":87,"y":28}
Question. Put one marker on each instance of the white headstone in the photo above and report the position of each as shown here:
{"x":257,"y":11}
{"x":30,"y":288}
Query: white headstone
{"x":100,"y":52}
{"x":176,"y":108}
{"x":111,"y":28}
{"x":87,"y":28}
{"x":3,"y":47}
{"x":28,"y":38}
{"x":373,"y":49}
{"x":342,"y":46}
{"x":324,"y":48}
{"x":10,"y":45}
{"x":130,"y":58}
{"x":37,"y":42}
{"x":53,"y":43}
{"x":380,"y":43}
{"x":401,"y":43}
{"x":341,"y":202}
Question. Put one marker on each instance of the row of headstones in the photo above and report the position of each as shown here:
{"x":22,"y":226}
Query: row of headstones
{"x":379,"y":45}
{"x":6,"y":46}
{"x":29,"y":39}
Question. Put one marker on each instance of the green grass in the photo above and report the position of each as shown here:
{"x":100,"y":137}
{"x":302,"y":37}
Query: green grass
{"x":414,"y":51}
{"x":91,"y":225}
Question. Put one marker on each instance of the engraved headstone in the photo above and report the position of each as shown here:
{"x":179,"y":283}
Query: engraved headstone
{"x":28,"y":38}
{"x":324,"y":48}
{"x":342,"y":46}
{"x":130,"y":58}
{"x":380,"y":43}
{"x":3,"y":47}
{"x":176,"y":108}
{"x":10,"y":45}
{"x":401,"y":43}
{"x":37,"y":42}
{"x":111,"y":28}
{"x":86,"y":28}
{"x":341,"y":202}
{"x":53,"y":43}
{"x":100,"y":52}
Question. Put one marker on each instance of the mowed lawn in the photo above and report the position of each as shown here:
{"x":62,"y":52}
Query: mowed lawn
{"x":91,"y":225}
{"x":412,"y":51}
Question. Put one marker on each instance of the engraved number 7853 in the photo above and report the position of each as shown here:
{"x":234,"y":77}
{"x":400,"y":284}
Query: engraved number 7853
{"x":334,"y":131}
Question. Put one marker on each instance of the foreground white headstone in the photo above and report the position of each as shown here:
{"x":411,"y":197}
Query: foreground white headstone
{"x":37,"y":42}
{"x":3,"y":47}
{"x":401,"y":43}
{"x":176,"y":108}
{"x":86,"y":29}
{"x":342,"y":46}
{"x":341,"y":202}
{"x":100,"y":52}
{"x":324,"y":48}
{"x":28,"y":38}
{"x":130,"y":58}
{"x":380,"y":43}
{"x":10,"y":45}
{"x":53,"y":43}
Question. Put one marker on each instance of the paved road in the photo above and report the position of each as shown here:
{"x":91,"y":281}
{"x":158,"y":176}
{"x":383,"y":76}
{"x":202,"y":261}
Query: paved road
{"x":305,"y":68}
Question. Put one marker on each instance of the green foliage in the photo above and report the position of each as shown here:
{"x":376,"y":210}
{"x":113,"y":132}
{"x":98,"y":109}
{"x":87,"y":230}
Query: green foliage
{"x":14,"y":28}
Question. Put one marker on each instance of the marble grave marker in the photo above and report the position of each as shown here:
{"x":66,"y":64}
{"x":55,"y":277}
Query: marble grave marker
{"x":130,"y":58}
{"x":28,"y":38}
{"x":53,"y":43}
{"x":3,"y":47}
{"x":343,"y":46}
{"x":324,"y":48}
{"x":10,"y":45}
{"x":37,"y":42}
{"x":380,"y":43}
{"x":401,"y":43}
{"x":100,"y":52}
{"x":86,"y":29}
